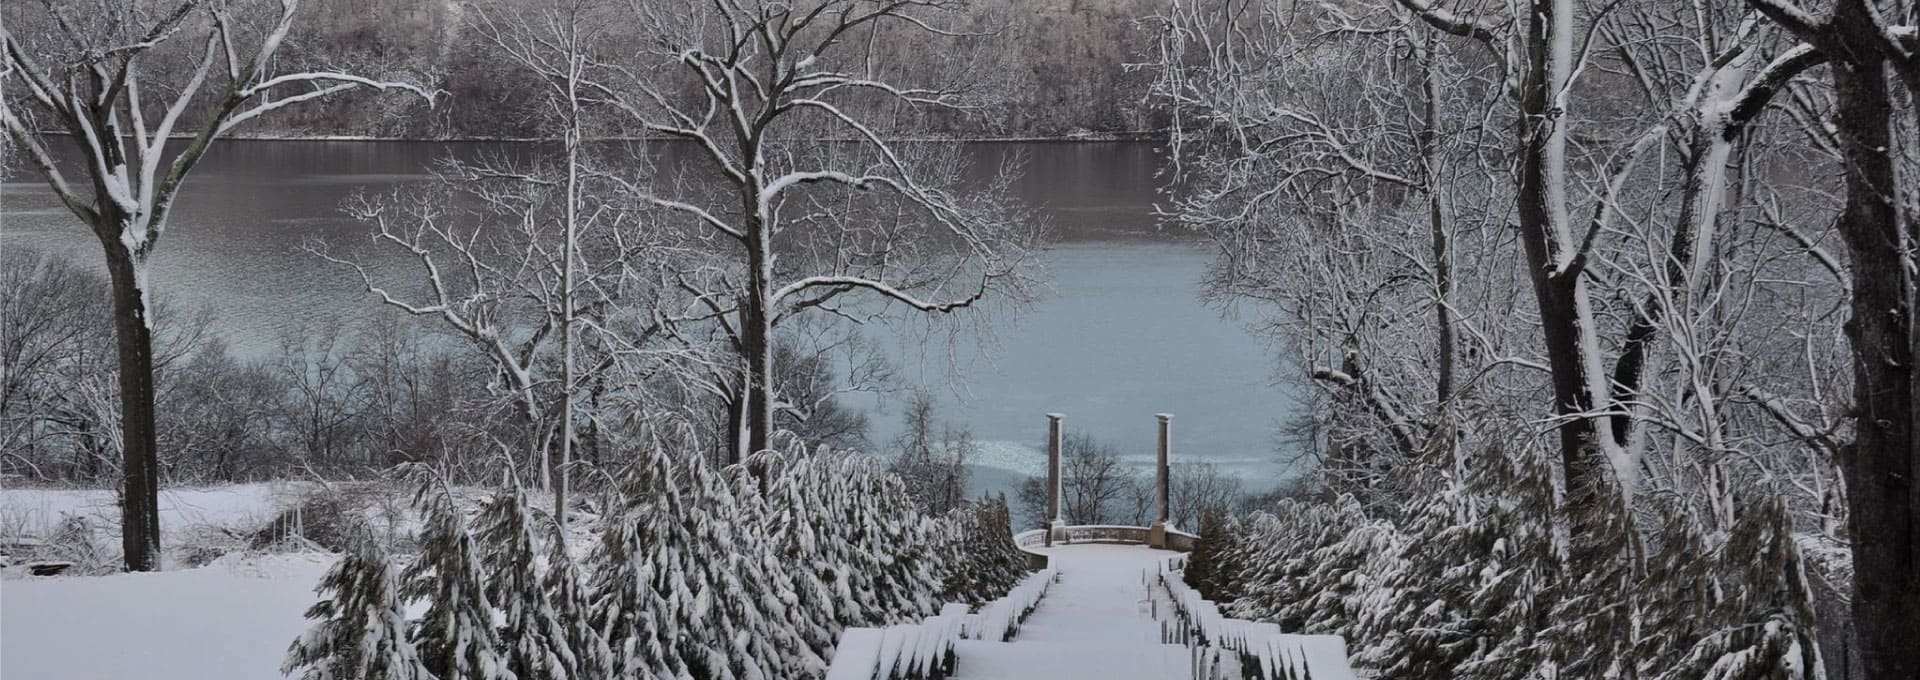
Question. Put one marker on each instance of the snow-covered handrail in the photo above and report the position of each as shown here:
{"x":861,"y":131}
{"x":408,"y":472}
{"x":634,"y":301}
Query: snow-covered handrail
{"x":909,"y":651}
{"x":997,"y":621}
{"x":921,"y":651}
{"x":1238,"y":648}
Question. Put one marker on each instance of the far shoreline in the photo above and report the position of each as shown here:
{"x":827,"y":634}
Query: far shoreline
{"x":1132,"y":136}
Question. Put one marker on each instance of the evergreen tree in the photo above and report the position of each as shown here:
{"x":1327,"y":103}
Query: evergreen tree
{"x":1755,"y":604}
{"x":537,"y":644}
{"x":983,"y":563}
{"x":572,"y":606}
{"x":456,"y":636}
{"x":622,"y":603}
{"x":1468,"y":590}
{"x":360,"y":624}
{"x":1213,"y":566}
{"x":684,"y":586}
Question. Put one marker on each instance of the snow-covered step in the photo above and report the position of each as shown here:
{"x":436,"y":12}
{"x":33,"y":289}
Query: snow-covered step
{"x":980,"y":660}
{"x":1096,"y":621}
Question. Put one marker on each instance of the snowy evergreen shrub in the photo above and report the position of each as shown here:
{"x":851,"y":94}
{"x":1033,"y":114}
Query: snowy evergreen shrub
{"x":1590,"y":634}
{"x":870,"y":547}
{"x":456,"y":637}
{"x":1476,"y":578}
{"x":1465,"y":597}
{"x":682,"y":583}
{"x":855,"y":547}
{"x":572,"y":606}
{"x":360,"y":629}
{"x":535,"y":636}
{"x":1218,"y":557}
{"x":622,"y":603}
{"x":1749,"y":604}
{"x":1317,"y":567}
{"x":982,"y":561}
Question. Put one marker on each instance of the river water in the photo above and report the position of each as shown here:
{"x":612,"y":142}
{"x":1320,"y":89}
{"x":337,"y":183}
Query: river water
{"x":1122,"y":334}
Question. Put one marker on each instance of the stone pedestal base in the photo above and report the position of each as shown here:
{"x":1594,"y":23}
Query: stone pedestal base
{"x":1056,"y":532}
{"x":1157,"y":536}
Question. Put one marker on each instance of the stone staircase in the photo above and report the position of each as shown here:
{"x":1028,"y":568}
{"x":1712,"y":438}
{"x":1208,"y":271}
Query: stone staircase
{"x":1095,"y":622}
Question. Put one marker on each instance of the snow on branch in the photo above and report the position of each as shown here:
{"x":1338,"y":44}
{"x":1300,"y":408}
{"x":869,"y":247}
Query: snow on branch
{"x":1777,"y":409}
{"x":885,"y":289}
{"x":333,"y":83}
{"x":1789,"y":16}
{"x":1450,"y":22}
{"x":1402,"y":431}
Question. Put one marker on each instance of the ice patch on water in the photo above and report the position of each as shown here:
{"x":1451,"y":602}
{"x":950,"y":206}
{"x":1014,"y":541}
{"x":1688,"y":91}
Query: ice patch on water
{"x":1011,"y":456}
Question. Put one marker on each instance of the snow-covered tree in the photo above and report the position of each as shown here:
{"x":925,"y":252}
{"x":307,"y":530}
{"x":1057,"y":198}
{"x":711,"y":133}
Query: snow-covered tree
{"x":1214,"y":568}
{"x":566,"y":590}
{"x":683,"y":583}
{"x":983,"y":563}
{"x":1745,"y":609}
{"x":808,"y":205}
{"x":456,"y":637}
{"x":360,"y":629}
{"x":85,"y":69}
{"x":870,"y":557}
{"x":534,"y":633}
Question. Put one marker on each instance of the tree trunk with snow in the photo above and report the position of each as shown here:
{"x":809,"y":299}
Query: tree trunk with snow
{"x":1554,"y":260}
{"x":133,"y":331}
{"x":1882,"y":462}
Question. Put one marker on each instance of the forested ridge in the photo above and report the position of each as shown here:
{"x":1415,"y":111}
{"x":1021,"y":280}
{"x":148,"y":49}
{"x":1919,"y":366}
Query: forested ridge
{"x":1062,"y":64}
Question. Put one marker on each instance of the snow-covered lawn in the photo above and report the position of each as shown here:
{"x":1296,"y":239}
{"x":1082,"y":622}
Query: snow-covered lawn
{"x":240,"y":507}
{"x":231,"y":620}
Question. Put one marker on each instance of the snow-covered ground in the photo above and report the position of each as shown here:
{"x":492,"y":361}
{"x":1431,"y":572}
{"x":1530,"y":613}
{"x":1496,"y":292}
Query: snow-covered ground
{"x":196,"y":524}
{"x":231,"y":620}
{"x":36,"y":511}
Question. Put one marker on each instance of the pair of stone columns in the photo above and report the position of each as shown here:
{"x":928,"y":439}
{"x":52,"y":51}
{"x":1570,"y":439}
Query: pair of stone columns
{"x":1056,"y":527}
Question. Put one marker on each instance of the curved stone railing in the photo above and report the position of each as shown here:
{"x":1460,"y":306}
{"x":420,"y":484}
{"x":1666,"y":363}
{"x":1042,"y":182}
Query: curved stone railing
{"x":1178,"y":541}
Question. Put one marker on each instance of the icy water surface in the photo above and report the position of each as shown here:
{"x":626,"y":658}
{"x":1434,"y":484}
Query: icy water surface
{"x":1122,"y":335}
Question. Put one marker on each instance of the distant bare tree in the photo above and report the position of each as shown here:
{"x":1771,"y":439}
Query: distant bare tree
{"x":1200,"y":488}
{"x":932,"y":456}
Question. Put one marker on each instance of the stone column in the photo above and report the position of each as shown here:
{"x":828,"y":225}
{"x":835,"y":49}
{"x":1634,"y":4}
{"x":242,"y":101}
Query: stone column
{"x":1162,"y":472}
{"x":1054,"y":525}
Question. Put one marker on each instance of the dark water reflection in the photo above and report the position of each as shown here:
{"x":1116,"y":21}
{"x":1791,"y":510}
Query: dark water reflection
{"x":1123,"y":334}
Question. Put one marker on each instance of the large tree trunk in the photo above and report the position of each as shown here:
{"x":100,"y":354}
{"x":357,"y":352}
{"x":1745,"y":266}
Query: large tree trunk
{"x":1437,"y":223}
{"x":756,"y":343}
{"x":133,"y":328}
{"x":1881,"y":464}
{"x":1558,"y":292}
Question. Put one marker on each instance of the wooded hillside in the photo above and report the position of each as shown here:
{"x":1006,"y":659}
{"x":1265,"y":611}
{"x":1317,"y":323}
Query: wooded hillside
{"x":1066,"y":60}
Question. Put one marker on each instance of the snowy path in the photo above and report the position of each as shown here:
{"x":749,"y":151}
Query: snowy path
{"x":1094,"y":623}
